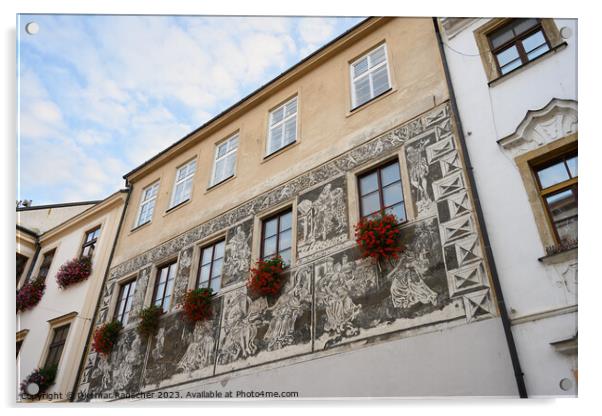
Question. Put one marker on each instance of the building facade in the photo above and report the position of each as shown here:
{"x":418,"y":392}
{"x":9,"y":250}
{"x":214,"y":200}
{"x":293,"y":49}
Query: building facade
{"x":364,"y":124}
{"x":515,"y":84}
{"x":54,"y":332}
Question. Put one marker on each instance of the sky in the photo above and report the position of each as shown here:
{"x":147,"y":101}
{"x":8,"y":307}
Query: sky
{"x":99,"y":95}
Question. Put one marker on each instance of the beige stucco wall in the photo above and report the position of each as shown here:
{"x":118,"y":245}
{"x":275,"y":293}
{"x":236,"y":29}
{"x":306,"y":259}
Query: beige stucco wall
{"x":80,"y":298}
{"x":326,"y":128}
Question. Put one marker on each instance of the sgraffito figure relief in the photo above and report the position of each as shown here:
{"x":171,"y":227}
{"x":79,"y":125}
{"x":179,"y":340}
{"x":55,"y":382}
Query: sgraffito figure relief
{"x":288,"y":308}
{"x":408,"y":287}
{"x":200,"y":350}
{"x":419,"y":174}
{"x":241,"y":318}
{"x":322,"y":218}
{"x":237,"y":259}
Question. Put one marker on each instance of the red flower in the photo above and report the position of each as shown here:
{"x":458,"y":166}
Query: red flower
{"x":30,"y":294}
{"x":197,"y":304}
{"x":106,"y":336}
{"x":377,"y":238}
{"x":266,"y":277}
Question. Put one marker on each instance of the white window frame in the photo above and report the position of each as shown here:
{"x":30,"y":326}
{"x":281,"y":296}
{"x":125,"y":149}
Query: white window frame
{"x":281,"y":125}
{"x":229,"y":152}
{"x":369,"y":71}
{"x":172,"y":202}
{"x":144,"y":202}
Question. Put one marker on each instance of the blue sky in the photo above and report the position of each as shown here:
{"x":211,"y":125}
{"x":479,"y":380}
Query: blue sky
{"x":99,"y":95}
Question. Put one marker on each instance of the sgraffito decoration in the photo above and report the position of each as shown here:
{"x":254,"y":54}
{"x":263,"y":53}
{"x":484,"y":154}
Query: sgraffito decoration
{"x":331,"y":299}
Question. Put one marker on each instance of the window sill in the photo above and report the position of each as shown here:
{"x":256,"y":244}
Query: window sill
{"x":521,"y":68}
{"x":378,"y":98}
{"x":559,"y":257}
{"x":280,"y":151}
{"x":136,"y":228}
{"x":222,"y":182}
{"x":176,"y":207}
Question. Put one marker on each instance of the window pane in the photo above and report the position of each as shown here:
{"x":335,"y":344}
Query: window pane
{"x":572,"y":164}
{"x":507,"y":56}
{"x":217,"y":268}
{"x":219,"y":250}
{"x":277,"y":115}
{"x":216,"y":284}
{"x":360,"y":67}
{"x":205,"y":270}
{"x":222,"y":149}
{"x":290,"y":130}
{"x":398,"y":210}
{"x":552,"y":175}
{"x":219,"y":171}
{"x":285,"y":221}
{"x":270,"y":227}
{"x":233,"y":143}
{"x":291,"y":107}
{"x":285,"y":241}
{"x":370,"y":204}
{"x":377,"y":56}
{"x":286,"y":256}
{"x":368,"y":183}
{"x":269,"y":246}
{"x":563,"y":209}
{"x":534,"y":41}
{"x":206,"y":258}
{"x":230,"y":163}
{"x":501,"y":36}
{"x":392,"y":194}
{"x":275,"y":138}
{"x":380,"y":80}
{"x":539,"y":51}
{"x":390,"y":174}
{"x":512,"y":65}
{"x":362,"y":90}
{"x":522,"y":25}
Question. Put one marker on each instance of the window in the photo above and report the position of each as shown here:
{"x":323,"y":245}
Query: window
{"x":381,"y":191}
{"x":147,"y":204}
{"x":124,"y":302}
{"x":59,"y":337}
{"x":90,"y":242}
{"x":276,"y":236}
{"x":164,"y":286}
{"x":210,"y":271}
{"x":21,"y":262}
{"x":183,"y":185}
{"x":283,"y":126}
{"x":225,"y":160}
{"x":557,"y":181}
{"x":517,"y":43}
{"x":369,"y":76}
{"x":46,"y":263}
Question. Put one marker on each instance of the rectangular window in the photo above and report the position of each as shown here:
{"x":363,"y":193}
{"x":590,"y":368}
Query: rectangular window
{"x":276,"y":237}
{"x":369,"y":76}
{"x":557,"y":181}
{"x":147,"y":204}
{"x":21,"y":262}
{"x":183,"y":183}
{"x":283,"y":126}
{"x":164,"y":286}
{"x":59,"y":337}
{"x":225,"y":160}
{"x":46,"y":263}
{"x":210,"y":270}
{"x":381,"y":191}
{"x":124,"y":302}
{"x":90,"y":242}
{"x":517,"y":43}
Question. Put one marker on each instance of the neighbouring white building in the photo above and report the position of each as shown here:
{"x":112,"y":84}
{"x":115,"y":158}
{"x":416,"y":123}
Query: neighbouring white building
{"x":515,"y":85}
{"x":55,"y":331}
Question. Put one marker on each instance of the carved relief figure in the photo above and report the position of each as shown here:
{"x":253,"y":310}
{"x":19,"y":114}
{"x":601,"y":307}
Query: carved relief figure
{"x":238,"y":252}
{"x":419,"y":170}
{"x":321,"y":219}
{"x":200,"y":347}
{"x":126,"y":358}
{"x":408,"y":287}
{"x":242,"y":316}
{"x":289,"y":306}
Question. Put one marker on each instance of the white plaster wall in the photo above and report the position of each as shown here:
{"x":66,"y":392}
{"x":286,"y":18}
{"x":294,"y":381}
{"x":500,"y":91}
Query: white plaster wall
{"x":489,"y":114}
{"x":56,"y":302}
{"x":42,"y":220}
{"x":467,"y":360}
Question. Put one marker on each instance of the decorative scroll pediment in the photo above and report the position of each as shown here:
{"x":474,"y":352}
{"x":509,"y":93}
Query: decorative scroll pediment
{"x":556,"y":120}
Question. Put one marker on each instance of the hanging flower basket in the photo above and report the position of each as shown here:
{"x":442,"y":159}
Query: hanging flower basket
{"x":149,"y":320}
{"x":197,"y":304}
{"x":266,"y":277}
{"x":43,"y":377}
{"x":74,"y":271}
{"x":30,"y":294}
{"x":378,"y":238}
{"x":106,"y":336}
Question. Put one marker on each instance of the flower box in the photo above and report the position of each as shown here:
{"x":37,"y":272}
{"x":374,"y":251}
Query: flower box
{"x":74,"y":271}
{"x":149,"y":320}
{"x":42,"y":377}
{"x":197,"y":304}
{"x":105,"y":337}
{"x":378,"y":238}
{"x":30,"y":294}
{"x":266,"y":277}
